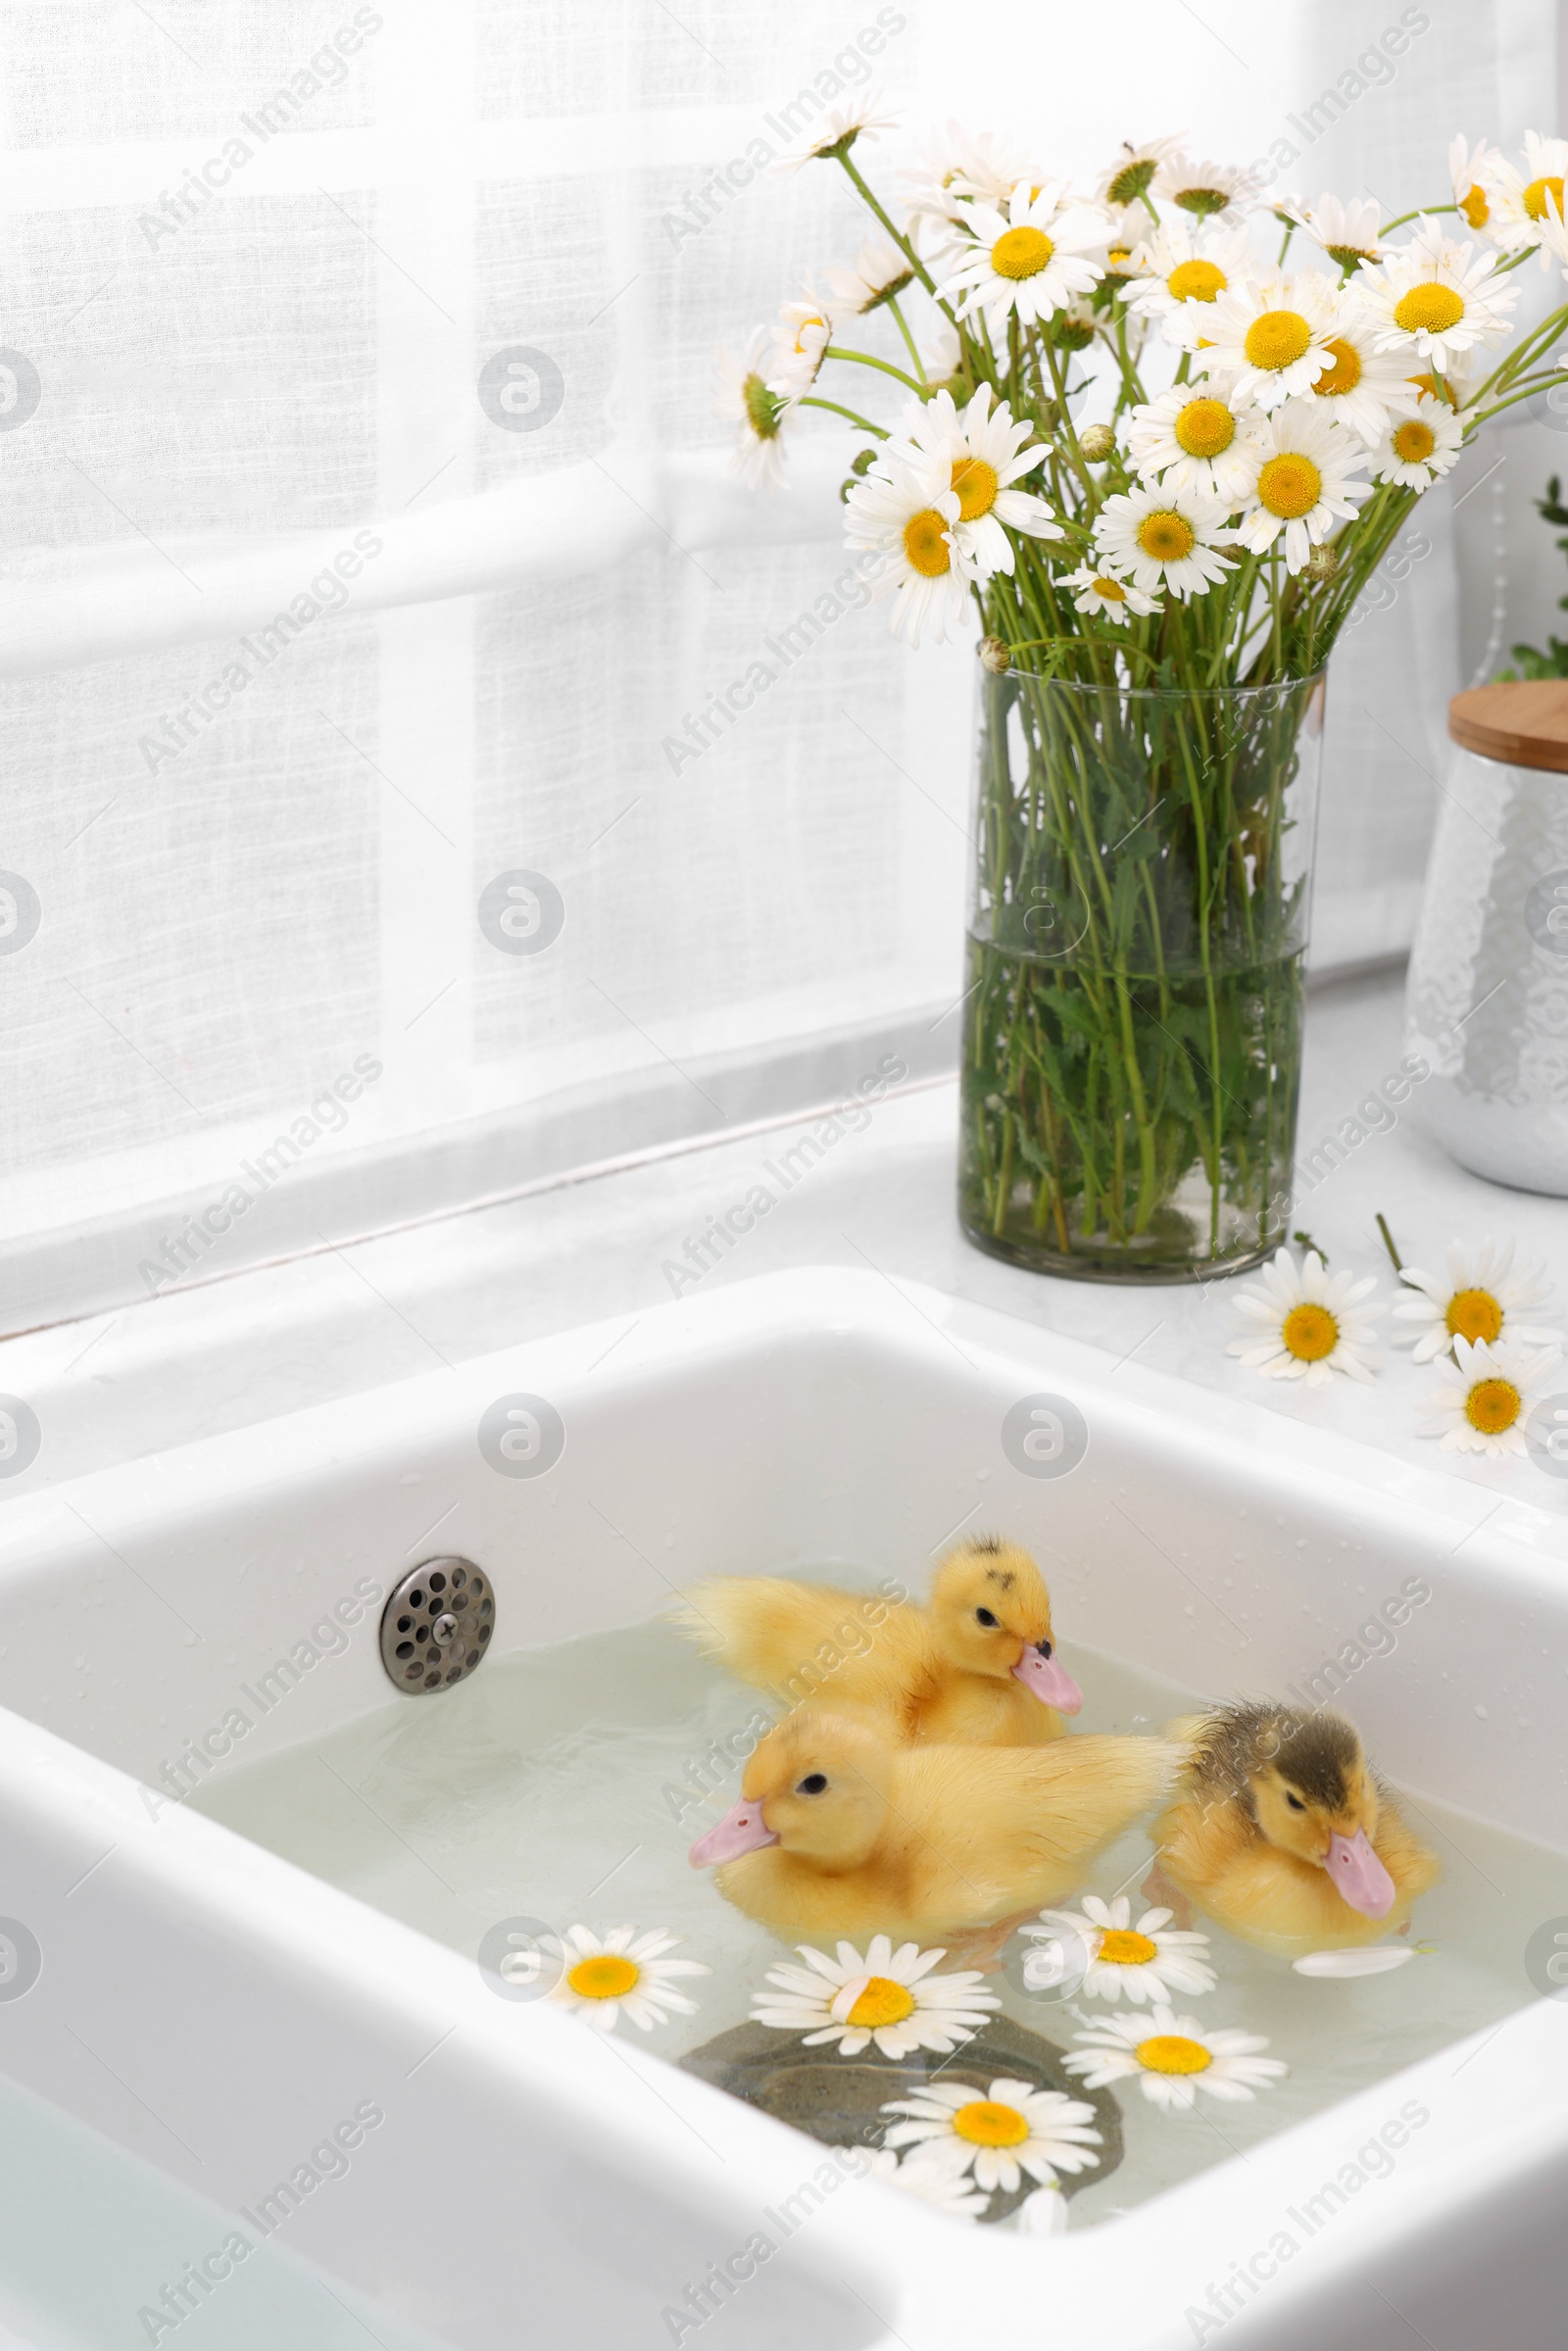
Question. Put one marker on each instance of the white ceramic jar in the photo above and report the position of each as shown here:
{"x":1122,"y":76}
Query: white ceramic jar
{"x":1488,"y":997}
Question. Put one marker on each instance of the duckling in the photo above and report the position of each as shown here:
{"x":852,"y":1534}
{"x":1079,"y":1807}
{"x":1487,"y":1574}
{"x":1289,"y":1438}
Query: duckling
{"x":1282,"y":1833}
{"x":975,"y":1666}
{"x":839,"y":1832}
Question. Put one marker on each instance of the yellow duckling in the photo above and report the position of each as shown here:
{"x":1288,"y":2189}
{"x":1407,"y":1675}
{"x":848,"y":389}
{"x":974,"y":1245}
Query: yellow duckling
{"x":1282,"y":1833}
{"x":975,"y":1666}
{"x":837,"y":1831}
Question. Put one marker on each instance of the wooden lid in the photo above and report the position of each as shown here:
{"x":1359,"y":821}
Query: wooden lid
{"x":1523,"y":723}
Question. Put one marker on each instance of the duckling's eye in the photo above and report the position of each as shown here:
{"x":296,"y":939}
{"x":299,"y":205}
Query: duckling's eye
{"x":812,"y":1784}
{"x":983,"y":1616}
{"x":1294,"y":1803}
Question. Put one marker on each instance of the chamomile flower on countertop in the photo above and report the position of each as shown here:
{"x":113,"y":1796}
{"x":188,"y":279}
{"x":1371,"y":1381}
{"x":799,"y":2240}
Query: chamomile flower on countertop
{"x":1030,"y":261}
{"x":1416,"y":450}
{"x":1181,"y":272}
{"x":878,"y":272}
{"x":1435,"y":297}
{"x":1347,"y":232}
{"x":1270,"y":338}
{"x":1162,"y":538}
{"x":1174,"y":2058}
{"x":988,"y":451}
{"x":1482,"y":1295}
{"x":1193,"y":438}
{"x":1487,"y":1396}
{"x":998,"y":2133}
{"x":744,"y":398}
{"x":1304,"y":1325}
{"x":1147,"y":1962}
{"x":802,"y":336}
{"x":1472,"y":172}
{"x":1301,"y":480}
{"x":1524,"y":202}
{"x":1362,"y":386}
{"x":908,"y":512}
{"x":623,"y":1973}
{"x":1113,"y":599}
{"x":1207,"y":190}
{"x":860,"y":120}
{"x":1129,"y":177}
{"x":949,"y":2191}
{"x":892,"y":2000}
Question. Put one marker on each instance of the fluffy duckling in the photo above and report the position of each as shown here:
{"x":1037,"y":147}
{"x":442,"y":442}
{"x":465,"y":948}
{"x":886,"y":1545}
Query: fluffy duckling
{"x":975,"y":1666}
{"x":838,"y":1831}
{"x":1282,"y":1833}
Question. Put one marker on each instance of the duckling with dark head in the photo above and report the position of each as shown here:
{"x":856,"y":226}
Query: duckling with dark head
{"x":1282,"y":1833}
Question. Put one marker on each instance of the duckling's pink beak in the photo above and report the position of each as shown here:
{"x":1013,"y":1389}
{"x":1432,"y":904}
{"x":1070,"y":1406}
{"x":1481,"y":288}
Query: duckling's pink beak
{"x":1051,"y":1683}
{"x":742,"y":1830}
{"x":1361,"y":1876}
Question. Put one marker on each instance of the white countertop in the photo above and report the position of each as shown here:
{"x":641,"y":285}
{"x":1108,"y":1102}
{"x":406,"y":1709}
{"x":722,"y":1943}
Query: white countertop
{"x":145,"y":1379}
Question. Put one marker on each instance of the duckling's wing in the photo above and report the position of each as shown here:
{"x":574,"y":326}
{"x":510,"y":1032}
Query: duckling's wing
{"x":1085,"y":1792}
{"x":794,"y":1640}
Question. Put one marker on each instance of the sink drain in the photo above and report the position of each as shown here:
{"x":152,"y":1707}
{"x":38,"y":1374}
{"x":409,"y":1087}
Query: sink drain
{"x":437,"y":1625}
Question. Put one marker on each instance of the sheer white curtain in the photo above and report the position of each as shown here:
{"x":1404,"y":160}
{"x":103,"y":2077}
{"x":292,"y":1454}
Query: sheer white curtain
{"x":369,"y":557}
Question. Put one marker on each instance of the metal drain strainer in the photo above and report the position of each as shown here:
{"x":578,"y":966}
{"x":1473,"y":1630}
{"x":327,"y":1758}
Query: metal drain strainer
{"x":437,"y":1625}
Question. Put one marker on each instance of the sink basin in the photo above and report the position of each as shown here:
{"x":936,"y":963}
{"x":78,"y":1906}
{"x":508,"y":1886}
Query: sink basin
{"x":486,"y":2171}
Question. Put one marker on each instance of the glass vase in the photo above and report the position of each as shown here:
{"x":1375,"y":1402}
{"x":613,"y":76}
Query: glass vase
{"x":1132,"y":1017}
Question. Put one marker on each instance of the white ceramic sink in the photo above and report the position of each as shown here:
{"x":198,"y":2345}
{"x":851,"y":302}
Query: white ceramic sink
{"x":507,"y":2176}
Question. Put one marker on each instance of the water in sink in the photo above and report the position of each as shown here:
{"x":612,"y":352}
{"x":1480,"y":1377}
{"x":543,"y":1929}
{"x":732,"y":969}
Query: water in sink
{"x":564,"y":1784}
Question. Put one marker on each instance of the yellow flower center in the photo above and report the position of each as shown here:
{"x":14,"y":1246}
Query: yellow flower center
{"x":985,"y":2123}
{"x":1196,"y":281}
{"x":924,"y":544}
{"x":1165,"y":536}
{"x":606,"y":1978}
{"x":1346,"y":372}
{"x":1428,"y":307}
{"x":806,"y":327}
{"x":1123,"y":1949}
{"x":1278,"y":339}
{"x":1474,"y":1314}
{"x":1021,"y":253}
{"x":1493,"y":1405}
{"x":1110,"y":590}
{"x":1474,"y":207}
{"x":1309,"y":1332}
{"x":1203,"y":427}
{"x":1118,"y":257}
{"x":976,"y":484}
{"x":1430,"y":387}
{"x":882,"y":2002}
{"x":1290,"y":486}
{"x":1173,"y":2053}
{"x":1411,"y":443}
{"x":1537,"y":195}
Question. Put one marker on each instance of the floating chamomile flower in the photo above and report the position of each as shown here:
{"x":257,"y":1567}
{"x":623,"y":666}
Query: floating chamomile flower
{"x":1305,"y":1326}
{"x":1415,"y":450}
{"x":1524,"y":202}
{"x":908,"y":512}
{"x":1472,"y":170}
{"x":1436,"y":298}
{"x":1347,"y":232}
{"x":879,"y":273}
{"x":1010,"y":2130}
{"x":1174,"y":2058}
{"x":1302,"y":481}
{"x":860,"y":120}
{"x":949,"y":2191}
{"x":1181,"y":273}
{"x":1164,"y":538}
{"x":606,"y":1975}
{"x":1362,"y":386}
{"x":1129,"y":177}
{"x":744,"y":398}
{"x":1270,"y":338}
{"x":803,"y":335}
{"x":1487,"y":1396}
{"x":891,"y":1999}
{"x":1030,"y":264}
{"x":1204,"y":189}
{"x":1113,"y":599}
{"x":988,"y":452}
{"x":1192,"y":438}
{"x":1483,"y":1294}
{"x":1147,"y":1962}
